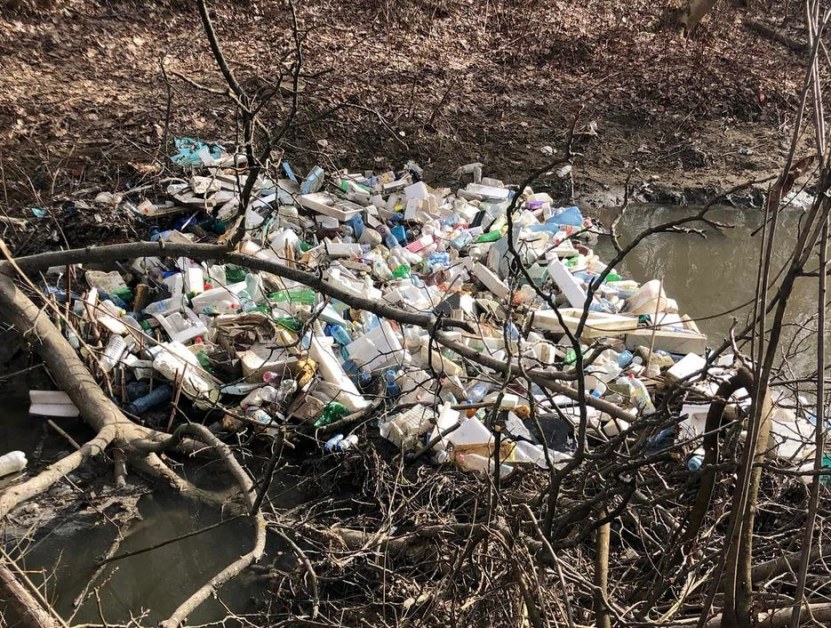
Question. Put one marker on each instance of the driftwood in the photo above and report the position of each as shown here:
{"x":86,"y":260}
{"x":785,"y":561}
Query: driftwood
{"x":23,"y":604}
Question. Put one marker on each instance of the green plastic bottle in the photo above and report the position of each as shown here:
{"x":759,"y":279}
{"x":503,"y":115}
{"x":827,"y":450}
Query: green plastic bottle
{"x":401,"y":272}
{"x":234,"y":274}
{"x":490,"y":236}
{"x":334,"y":411}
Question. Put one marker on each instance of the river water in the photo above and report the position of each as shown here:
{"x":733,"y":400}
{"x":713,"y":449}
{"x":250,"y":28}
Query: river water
{"x":707,"y":276}
{"x":710,"y":277}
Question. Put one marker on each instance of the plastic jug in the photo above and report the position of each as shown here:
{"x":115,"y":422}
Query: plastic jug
{"x":12,"y":462}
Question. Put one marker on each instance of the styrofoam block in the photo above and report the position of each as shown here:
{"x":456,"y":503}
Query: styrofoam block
{"x":342,"y":249}
{"x":491,"y":281}
{"x":377,"y":349}
{"x":597,"y":323}
{"x":488,"y":192}
{"x":686,"y":366}
{"x":570,"y":286}
{"x":417,"y":191}
{"x":261,"y":358}
{"x":695,"y":423}
{"x":404,"y":429}
{"x":51,"y":403}
{"x":331,"y":370}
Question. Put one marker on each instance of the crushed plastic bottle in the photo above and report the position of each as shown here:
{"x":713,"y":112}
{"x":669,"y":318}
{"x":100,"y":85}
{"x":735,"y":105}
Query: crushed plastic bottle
{"x":116,"y":346}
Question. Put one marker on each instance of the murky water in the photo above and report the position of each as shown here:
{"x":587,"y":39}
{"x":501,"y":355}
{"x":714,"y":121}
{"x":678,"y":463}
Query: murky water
{"x":710,"y":277}
{"x":62,"y":555}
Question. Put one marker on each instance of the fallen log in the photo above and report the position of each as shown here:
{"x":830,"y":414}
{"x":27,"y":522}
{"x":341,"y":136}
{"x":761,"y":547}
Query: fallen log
{"x":22,"y":604}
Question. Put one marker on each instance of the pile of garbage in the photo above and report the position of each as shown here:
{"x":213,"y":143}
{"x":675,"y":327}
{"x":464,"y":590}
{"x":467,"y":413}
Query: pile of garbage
{"x":259,"y":351}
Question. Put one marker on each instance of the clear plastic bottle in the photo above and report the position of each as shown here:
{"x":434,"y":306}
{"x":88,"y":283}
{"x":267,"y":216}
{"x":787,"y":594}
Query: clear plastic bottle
{"x":477,"y":392}
{"x":260,"y":416}
{"x":72,"y":338}
{"x":175,"y":362}
{"x":330,"y":445}
{"x":639,"y":395}
{"x":116,"y":346}
{"x":258,"y":397}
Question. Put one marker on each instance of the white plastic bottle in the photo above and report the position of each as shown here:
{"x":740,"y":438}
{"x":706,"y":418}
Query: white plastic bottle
{"x":347,"y":443}
{"x":12,"y":462}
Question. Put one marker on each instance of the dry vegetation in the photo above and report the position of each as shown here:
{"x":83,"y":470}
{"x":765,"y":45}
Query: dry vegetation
{"x":82,"y":95}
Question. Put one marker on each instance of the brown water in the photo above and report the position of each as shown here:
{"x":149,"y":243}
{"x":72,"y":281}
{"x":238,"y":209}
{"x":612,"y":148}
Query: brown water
{"x":62,"y":556}
{"x":710,"y":277}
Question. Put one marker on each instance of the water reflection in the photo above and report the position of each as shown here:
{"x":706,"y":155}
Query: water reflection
{"x":715,"y":274}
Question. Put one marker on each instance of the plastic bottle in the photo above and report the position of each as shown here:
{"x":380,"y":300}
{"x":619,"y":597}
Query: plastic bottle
{"x":160,"y":307}
{"x":357,"y":224}
{"x":158,"y":396}
{"x":137,"y":389}
{"x":173,"y":360}
{"x":112,"y":353}
{"x":156,"y":235}
{"x":400,"y":234}
{"x":313,"y":181}
{"x":477,"y":392}
{"x":393,"y":389}
{"x":12,"y":462}
{"x":599,"y":390}
{"x":338,"y":333}
{"x":490,"y":236}
{"x":381,"y":271}
{"x":625,"y":358}
{"x":346,"y":443}
{"x":259,"y":396}
{"x":254,"y":287}
{"x":260,"y":416}
{"x":570,"y":216}
{"x":439,"y":259}
{"x":331,"y":444}
{"x":639,"y":395}
{"x":334,"y":411}
{"x":242,"y":388}
{"x":696,"y":460}
{"x":359,"y":376}
{"x":72,"y":338}
{"x":270,"y":376}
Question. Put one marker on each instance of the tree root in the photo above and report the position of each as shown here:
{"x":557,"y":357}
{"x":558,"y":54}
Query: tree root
{"x":140,"y":444}
{"x":15,"y":495}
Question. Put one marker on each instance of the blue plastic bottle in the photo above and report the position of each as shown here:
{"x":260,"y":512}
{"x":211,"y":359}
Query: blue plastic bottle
{"x":157,"y":397}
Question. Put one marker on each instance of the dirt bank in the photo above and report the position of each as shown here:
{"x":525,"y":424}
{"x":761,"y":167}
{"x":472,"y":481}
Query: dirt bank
{"x":82,"y":94}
